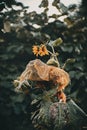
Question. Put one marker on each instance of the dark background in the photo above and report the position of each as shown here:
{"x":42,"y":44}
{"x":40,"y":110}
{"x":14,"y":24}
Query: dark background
{"x":17,"y":35}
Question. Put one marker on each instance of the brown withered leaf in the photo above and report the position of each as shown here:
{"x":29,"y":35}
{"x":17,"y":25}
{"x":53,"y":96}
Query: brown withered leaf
{"x":36,"y":70}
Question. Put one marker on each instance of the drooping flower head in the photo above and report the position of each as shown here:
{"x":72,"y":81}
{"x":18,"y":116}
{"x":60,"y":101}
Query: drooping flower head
{"x":40,"y":50}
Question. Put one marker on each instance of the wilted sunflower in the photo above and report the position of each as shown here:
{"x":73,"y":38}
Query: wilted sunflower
{"x":35,"y":50}
{"x":43,"y":50}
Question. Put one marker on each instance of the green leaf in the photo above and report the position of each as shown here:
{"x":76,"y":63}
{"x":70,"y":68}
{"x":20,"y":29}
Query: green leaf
{"x":7,"y":26}
{"x":67,"y":48}
{"x":63,"y":8}
{"x":56,"y":42}
{"x":44,"y":4}
{"x":68,"y":21}
{"x":18,"y":98}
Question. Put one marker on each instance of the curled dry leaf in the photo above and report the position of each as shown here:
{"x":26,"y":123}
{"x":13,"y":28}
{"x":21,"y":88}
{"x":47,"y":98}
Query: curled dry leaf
{"x":36,"y":70}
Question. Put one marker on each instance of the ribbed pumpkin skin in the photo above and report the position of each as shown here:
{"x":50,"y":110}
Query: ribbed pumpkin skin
{"x":58,"y":116}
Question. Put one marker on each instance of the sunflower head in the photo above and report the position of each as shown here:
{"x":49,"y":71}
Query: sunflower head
{"x":40,"y":50}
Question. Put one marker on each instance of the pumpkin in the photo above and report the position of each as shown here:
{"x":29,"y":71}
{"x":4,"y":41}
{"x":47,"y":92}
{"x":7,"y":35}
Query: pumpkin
{"x":54,"y":115}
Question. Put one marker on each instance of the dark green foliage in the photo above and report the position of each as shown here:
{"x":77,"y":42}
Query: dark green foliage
{"x":9,"y":3}
{"x":17,"y":35}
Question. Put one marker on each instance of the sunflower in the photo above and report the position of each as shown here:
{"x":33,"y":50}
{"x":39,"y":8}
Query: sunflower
{"x":43,"y":50}
{"x":35,"y":50}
